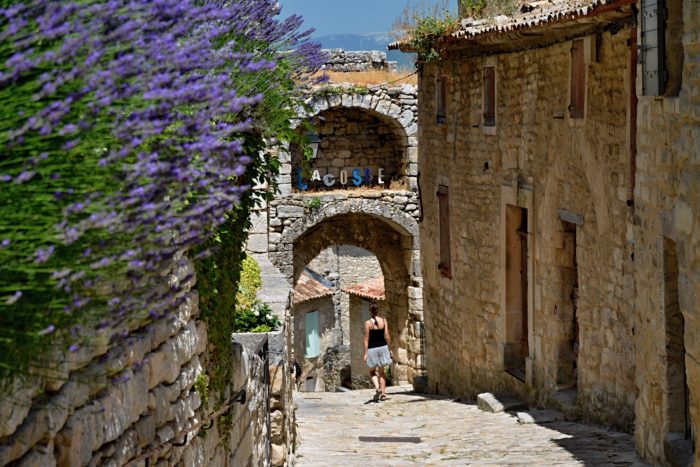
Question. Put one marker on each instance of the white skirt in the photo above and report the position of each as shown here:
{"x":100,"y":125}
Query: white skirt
{"x":378,"y":356}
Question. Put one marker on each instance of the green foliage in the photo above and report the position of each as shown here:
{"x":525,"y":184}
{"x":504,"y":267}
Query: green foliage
{"x":425,"y":29}
{"x":249,"y":284}
{"x":332,"y":90}
{"x":257,"y":318}
{"x":486,"y":8}
{"x":201,"y":385}
{"x":429,"y":34}
{"x":313,"y":203}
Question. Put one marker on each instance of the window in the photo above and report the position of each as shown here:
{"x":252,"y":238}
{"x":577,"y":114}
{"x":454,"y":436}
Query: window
{"x":441,"y":100}
{"x":578,"y":80}
{"x":662,"y":47}
{"x":313,"y":344}
{"x":490,"y":96}
{"x":445,"y":265}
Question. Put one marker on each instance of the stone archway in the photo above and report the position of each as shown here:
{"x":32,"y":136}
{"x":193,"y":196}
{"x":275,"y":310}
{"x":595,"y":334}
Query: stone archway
{"x":392,"y":236}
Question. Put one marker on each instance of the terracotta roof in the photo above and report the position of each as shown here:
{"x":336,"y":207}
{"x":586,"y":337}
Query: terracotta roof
{"x":537,"y":23}
{"x":308,"y":288}
{"x":372,"y":289}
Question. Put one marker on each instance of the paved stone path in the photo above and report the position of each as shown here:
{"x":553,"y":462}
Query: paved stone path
{"x":451,"y":433}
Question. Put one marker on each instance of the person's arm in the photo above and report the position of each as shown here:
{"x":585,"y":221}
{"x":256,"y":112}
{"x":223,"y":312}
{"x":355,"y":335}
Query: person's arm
{"x":387,"y":338}
{"x":366,"y":340}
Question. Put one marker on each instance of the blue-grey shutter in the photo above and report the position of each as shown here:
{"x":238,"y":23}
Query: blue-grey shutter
{"x":653,"y":47}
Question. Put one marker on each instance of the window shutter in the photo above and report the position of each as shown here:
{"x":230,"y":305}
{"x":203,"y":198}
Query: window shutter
{"x":441,"y":100}
{"x":489,"y":96}
{"x":653,"y":48}
{"x":445,"y":265}
{"x":313,"y":344}
{"x":578,"y":80}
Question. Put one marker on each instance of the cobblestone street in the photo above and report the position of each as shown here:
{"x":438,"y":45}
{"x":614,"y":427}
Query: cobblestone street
{"x":337,"y":429}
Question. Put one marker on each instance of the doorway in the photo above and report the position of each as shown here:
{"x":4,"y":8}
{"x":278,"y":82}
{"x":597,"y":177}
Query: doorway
{"x":566,"y":311}
{"x":680,"y":439}
{"x":516,"y":347}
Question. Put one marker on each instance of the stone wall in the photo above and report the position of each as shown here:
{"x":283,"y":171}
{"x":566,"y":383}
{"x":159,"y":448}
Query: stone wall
{"x":109,"y":405}
{"x":263,"y":430}
{"x":667,"y":223}
{"x":535,"y":160}
{"x":359,"y":60}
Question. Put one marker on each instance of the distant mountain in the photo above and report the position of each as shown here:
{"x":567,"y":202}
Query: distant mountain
{"x":367,"y":41}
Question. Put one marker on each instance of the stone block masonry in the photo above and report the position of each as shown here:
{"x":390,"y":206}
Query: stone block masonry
{"x":353,"y":61}
{"x":109,"y":405}
{"x":667,"y":242}
{"x":535,"y":305}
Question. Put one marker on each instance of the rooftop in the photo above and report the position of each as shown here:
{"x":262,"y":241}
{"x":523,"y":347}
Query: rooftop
{"x":371,"y":289}
{"x":308,"y":289}
{"x":537,"y":24}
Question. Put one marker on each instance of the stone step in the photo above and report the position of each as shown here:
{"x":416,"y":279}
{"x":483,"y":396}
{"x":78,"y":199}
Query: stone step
{"x":539,"y":416}
{"x":500,"y":402}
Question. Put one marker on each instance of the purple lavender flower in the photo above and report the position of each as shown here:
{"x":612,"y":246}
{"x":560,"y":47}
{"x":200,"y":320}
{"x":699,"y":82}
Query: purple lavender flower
{"x":42,"y":255}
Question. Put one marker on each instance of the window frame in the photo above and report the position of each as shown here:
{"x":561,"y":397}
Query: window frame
{"x":445,"y":264}
{"x":577,"y":99}
{"x":441,"y":100}
{"x":489,"y":96}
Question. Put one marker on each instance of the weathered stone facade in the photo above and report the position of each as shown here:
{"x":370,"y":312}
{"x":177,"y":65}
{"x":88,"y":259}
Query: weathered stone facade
{"x":667,"y":246}
{"x":572,"y":277}
{"x":560,"y":319}
{"x":357,"y":60}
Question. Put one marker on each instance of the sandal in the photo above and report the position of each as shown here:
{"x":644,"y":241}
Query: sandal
{"x":377,"y":393}
{"x":382,"y":397}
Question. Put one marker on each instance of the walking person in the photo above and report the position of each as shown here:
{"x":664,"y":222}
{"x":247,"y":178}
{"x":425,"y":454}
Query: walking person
{"x":377,"y":352}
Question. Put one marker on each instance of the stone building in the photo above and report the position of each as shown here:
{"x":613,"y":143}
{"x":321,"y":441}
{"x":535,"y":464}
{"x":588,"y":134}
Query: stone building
{"x":314,"y":329}
{"x":560,"y":228}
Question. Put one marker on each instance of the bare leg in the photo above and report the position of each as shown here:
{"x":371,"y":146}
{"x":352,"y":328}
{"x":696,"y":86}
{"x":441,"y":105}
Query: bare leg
{"x":382,"y":380}
{"x":374,"y":378}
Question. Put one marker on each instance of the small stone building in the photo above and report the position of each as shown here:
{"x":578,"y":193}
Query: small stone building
{"x":559,"y":172}
{"x":314,"y":329}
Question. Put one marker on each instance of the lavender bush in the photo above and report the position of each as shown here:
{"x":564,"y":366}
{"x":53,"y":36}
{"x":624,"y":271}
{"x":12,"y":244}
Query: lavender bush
{"x":124,"y":130}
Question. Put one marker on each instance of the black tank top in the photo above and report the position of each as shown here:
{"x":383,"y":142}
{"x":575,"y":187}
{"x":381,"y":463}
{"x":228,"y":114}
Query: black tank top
{"x":376,"y":338}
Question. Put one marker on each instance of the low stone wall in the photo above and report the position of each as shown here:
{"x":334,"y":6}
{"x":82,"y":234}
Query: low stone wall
{"x":131,"y":403}
{"x":263,"y":429}
{"x":362,"y":60}
{"x":108,"y":404}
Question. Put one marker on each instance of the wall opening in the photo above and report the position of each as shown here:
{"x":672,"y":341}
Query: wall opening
{"x":357,"y":148}
{"x":567,"y":371}
{"x":679,"y":436}
{"x":516,"y":346}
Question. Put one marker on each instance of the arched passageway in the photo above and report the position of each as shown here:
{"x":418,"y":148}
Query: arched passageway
{"x":390,"y":235}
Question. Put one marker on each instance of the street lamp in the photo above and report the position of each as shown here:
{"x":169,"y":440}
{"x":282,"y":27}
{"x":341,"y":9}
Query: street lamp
{"x":314,"y":144}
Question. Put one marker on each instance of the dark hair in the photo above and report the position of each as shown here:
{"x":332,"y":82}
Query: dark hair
{"x":372,"y":307}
